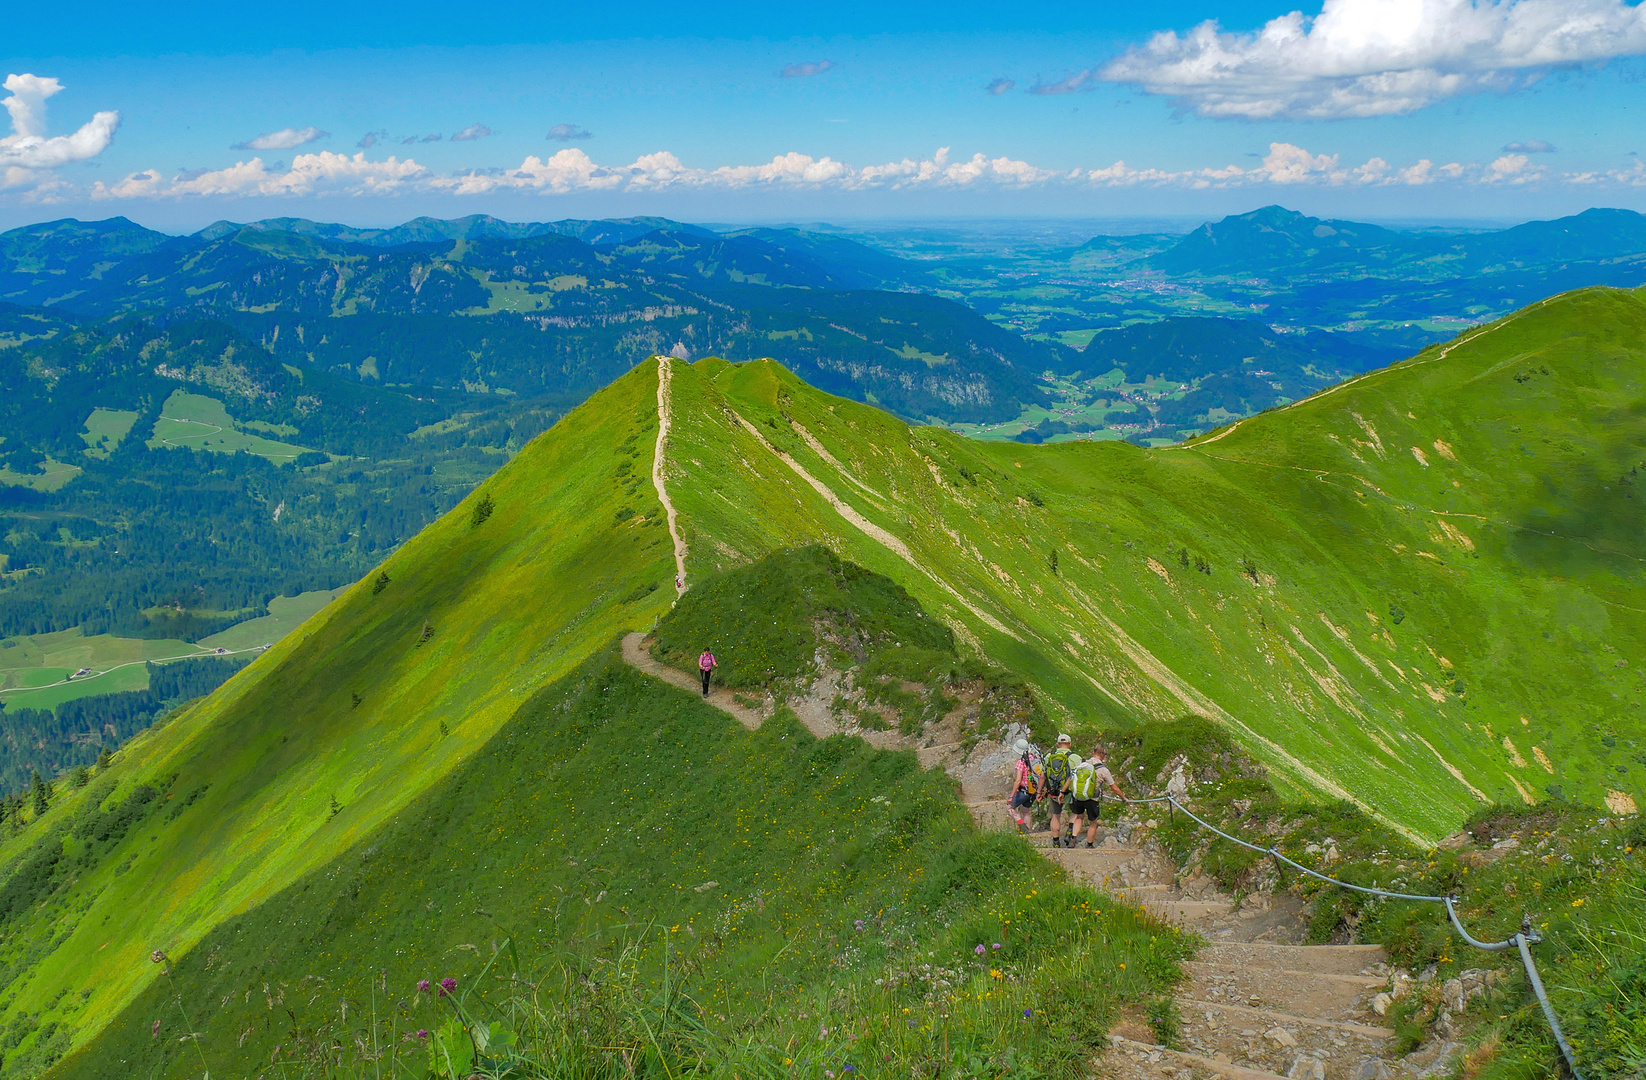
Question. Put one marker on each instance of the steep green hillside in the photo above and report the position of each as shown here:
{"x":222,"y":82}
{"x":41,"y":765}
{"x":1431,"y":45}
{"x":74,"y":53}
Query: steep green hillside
{"x":1418,"y":591}
{"x":613,"y":820}
{"x":371,"y":702}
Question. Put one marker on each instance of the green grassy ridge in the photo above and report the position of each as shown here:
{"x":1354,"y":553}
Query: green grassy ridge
{"x":518,"y":600}
{"x":1062,"y":563}
{"x":1284,"y":655}
{"x":786,"y":873}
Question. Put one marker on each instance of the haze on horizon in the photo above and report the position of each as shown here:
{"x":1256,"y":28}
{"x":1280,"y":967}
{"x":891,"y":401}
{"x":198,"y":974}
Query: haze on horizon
{"x":371,"y":115}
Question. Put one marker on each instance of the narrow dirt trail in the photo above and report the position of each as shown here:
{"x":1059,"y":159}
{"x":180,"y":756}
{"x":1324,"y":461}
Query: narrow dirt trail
{"x":1257,"y":1005}
{"x":636,"y":656}
{"x":663,"y":415}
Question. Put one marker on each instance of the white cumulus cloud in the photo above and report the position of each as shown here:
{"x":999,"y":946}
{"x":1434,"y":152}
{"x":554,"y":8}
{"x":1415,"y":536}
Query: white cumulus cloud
{"x":1377,"y":57}
{"x":284,"y":139}
{"x":571,"y":170}
{"x":28,"y":148}
{"x":309,"y":174}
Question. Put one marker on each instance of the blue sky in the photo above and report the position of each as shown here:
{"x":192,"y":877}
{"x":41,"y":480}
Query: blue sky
{"x":179,"y":114}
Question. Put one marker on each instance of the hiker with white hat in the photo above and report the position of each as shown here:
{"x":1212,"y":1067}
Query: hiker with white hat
{"x":1029,"y":780}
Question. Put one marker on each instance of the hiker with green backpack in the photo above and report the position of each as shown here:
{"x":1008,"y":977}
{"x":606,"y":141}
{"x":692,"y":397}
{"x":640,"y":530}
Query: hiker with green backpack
{"x":1087,"y":779}
{"x":1057,"y":787}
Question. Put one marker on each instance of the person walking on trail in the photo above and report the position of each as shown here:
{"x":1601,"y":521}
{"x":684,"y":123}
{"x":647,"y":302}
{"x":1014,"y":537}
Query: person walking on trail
{"x":1025,"y":785}
{"x":706,"y":665}
{"x":1086,"y":784}
{"x":1057,"y":786}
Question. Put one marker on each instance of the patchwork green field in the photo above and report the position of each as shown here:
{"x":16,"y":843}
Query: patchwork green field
{"x":204,"y":423}
{"x":116,"y":664}
{"x":1418,"y":592}
{"x":52,"y":475}
{"x":286,"y":613}
{"x":106,"y":429}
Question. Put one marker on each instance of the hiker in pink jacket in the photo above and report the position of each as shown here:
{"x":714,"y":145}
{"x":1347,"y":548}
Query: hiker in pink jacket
{"x":706,"y":665}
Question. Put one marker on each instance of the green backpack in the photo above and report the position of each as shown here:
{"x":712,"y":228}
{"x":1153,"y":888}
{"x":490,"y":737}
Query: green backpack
{"x":1057,"y":770}
{"x":1085,"y":782}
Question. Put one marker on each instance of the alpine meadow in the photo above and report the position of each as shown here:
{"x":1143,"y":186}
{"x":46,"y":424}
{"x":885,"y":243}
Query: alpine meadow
{"x":1410,"y":600}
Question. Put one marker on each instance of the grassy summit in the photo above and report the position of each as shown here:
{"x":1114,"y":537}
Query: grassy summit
{"x":1419,"y":591}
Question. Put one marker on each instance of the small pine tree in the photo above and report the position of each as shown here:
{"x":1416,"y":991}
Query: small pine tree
{"x":444,"y":730}
{"x":356,"y":699}
{"x":381,"y":583}
{"x":428,"y":632}
{"x":41,"y":793}
{"x":335,"y":806}
{"x":82,"y":776}
{"x":482,"y":511}
{"x":104,"y":759}
{"x":1051,"y":560}
{"x":1183,"y":558}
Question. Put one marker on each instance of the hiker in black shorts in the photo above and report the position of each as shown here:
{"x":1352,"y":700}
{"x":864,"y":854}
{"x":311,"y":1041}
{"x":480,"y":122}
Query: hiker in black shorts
{"x":1087,"y":779}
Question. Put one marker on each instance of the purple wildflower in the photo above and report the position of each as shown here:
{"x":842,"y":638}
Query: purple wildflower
{"x":448,"y":986}
{"x":996,"y":945}
{"x":859,"y":924}
{"x":422,"y":986}
{"x":422,"y":1033}
{"x":1027,"y":1013}
{"x":980,"y":950}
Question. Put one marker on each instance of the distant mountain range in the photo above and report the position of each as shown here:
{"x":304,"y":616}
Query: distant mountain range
{"x":1277,"y":241}
{"x":556,"y":307}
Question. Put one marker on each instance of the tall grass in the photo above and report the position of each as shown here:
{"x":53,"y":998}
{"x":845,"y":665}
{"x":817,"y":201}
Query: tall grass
{"x":641,"y":1006}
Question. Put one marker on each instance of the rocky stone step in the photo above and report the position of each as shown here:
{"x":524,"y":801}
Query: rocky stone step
{"x":1095,"y":866}
{"x":1367,"y":960}
{"x":1285,"y":1019}
{"x":1273,"y":1040}
{"x":1154,"y":1061}
{"x":1301,"y":993}
{"x":1185,"y":911}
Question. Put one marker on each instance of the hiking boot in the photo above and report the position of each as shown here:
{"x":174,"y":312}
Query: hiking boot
{"x":1090,"y":844}
{"x":1057,"y":841}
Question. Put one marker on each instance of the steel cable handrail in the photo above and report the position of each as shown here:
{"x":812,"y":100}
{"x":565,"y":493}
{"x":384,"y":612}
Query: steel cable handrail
{"x":1520,"y":940}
